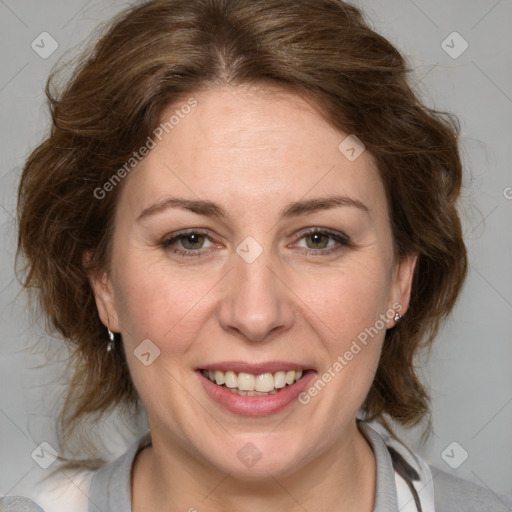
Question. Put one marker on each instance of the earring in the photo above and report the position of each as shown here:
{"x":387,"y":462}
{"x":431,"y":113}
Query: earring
{"x":397,"y":317}
{"x":111,"y":343}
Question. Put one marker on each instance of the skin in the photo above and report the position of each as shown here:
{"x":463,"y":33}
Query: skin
{"x":252,"y":151}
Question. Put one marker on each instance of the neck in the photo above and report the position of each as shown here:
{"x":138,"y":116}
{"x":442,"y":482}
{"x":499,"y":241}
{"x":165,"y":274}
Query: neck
{"x":342,"y":478}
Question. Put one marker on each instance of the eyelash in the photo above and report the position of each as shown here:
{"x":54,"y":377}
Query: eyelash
{"x":340,"y":238}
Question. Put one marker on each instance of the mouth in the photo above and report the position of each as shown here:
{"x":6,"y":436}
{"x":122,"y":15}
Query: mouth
{"x":248,"y":384}
{"x":254,"y":390}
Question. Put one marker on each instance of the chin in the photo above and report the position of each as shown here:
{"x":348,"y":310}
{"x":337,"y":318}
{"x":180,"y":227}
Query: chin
{"x":257,"y":459}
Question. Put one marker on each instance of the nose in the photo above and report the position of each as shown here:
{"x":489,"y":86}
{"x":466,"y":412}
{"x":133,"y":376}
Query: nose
{"x":256,"y":305}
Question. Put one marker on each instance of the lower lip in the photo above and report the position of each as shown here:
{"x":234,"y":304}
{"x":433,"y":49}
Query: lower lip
{"x":256,"y":405}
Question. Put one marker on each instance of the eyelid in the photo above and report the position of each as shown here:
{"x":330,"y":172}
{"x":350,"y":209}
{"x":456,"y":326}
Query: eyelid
{"x":184,"y":232}
{"x":323,"y":231}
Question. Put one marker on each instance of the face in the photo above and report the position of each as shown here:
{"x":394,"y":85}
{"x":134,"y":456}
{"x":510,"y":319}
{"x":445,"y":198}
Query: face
{"x":247,"y":246}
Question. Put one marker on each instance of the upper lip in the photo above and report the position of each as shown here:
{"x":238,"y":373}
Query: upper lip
{"x":253,"y":368}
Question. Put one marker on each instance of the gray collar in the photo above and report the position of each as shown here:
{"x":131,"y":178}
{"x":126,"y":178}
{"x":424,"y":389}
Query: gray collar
{"x":111,"y":485}
{"x":386,"y":499}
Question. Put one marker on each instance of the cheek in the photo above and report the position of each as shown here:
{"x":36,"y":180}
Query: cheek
{"x":168,"y":309}
{"x":348,"y":309}
{"x":154,"y":303}
{"x":347,"y":301}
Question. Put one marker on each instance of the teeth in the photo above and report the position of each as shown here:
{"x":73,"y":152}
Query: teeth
{"x":257,"y":393}
{"x":247,"y":384}
{"x":279,"y":380}
{"x":219,"y":377}
{"x":264,"y":382}
{"x":230,"y":380}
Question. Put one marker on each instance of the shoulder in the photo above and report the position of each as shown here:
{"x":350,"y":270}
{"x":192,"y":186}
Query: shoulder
{"x":105,"y":489}
{"x":454,"y":494}
{"x":63,"y":491}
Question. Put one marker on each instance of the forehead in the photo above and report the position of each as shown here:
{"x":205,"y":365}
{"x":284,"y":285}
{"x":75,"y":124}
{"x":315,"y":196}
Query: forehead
{"x":254,"y":146}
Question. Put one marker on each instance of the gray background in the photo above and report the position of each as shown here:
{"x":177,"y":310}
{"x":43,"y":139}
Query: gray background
{"x":469,"y":369}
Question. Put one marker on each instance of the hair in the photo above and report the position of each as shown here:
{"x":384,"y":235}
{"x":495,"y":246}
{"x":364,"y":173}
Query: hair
{"x":158,"y":52}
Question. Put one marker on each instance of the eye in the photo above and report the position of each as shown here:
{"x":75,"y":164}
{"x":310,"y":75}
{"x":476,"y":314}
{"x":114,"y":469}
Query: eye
{"x":320,"y":241}
{"x":196,"y":242}
{"x":188,"y":243}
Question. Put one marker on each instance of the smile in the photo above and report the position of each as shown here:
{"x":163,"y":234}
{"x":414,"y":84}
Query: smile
{"x":247,"y":384}
{"x":254,"y":390}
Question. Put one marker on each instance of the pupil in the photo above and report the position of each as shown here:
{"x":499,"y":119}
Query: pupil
{"x":316,"y":238}
{"x":193,"y":239}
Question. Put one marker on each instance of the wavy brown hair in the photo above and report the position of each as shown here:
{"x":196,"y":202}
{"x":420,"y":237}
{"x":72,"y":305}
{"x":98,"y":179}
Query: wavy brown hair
{"x":156,"y":53}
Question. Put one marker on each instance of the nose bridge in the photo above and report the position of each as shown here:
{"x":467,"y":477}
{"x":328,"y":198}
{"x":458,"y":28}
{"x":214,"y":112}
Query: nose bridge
{"x":256,"y":302}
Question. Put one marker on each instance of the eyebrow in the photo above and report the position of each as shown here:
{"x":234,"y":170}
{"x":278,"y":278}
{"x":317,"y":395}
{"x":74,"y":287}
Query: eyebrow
{"x":211,"y":209}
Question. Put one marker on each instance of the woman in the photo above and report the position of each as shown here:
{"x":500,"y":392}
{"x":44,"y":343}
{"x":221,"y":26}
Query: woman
{"x":244,"y":220}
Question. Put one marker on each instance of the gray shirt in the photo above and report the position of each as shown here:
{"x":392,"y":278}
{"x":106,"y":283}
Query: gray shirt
{"x":110,"y":486}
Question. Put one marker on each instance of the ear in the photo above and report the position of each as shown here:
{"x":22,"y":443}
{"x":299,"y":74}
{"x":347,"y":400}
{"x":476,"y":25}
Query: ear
{"x":101,"y":284}
{"x":400,"y":294}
